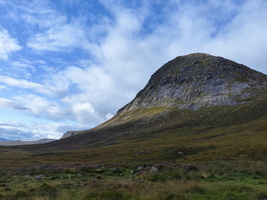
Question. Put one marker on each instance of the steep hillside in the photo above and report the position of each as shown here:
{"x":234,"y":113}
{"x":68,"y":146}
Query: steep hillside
{"x":194,"y":82}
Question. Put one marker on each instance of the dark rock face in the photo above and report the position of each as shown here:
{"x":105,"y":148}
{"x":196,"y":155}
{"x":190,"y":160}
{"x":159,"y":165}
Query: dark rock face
{"x":198,"y":80}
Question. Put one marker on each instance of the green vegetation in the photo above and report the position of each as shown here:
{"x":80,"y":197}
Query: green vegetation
{"x":216,"y":180}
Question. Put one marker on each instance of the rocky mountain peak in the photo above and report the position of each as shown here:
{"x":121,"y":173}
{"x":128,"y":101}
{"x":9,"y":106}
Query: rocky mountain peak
{"x":198,"y":80}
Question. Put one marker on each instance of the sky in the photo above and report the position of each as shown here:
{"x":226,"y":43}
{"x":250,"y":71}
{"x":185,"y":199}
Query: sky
{"x":71,"y":64}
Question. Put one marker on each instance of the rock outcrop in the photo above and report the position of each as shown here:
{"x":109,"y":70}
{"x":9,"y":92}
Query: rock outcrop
{"x":68,"y":134}
{"x":198,"y":80}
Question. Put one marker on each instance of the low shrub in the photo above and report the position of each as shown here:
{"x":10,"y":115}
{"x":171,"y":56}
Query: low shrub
{"x":69,"y":170}
{"x":167,"y":196}
{"x":113,"y":195}
{"x":22,"y":195}
{"x":261,"y":196}
{"x":196,"y":189}
{"x":47,"y":191}
{"x":158,"y":177}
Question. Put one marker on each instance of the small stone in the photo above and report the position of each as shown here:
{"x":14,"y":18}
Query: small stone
{"x":139,"y":168}
{"x":116,"y":170}
{"x":153,"y":170}
{"x":100,"y":170}
{"x":39,"y":176}
{"x":180,"y":153}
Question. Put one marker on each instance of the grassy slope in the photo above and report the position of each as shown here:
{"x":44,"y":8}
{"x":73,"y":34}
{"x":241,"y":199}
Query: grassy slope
{"x":227,"y":144}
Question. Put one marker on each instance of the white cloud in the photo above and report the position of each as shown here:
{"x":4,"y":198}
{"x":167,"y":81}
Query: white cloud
{"x":85,"y":113}
{"x":42,"y":107}
{"x":7,"y":44}
{"x":2,"y":87}
{"x":10,"y":104}
{"x":54,"y":86}
{"x":108,"y":116}
{"x":54,"y":130}
{"x":61,"y":37}
{"x":15,"y":130}
{"x":56,"y":32}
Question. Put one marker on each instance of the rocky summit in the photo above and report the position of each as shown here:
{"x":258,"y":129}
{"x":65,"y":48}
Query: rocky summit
{"x":198,"y":80}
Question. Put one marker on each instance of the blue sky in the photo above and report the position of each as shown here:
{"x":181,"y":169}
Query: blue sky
{"x":71,"y":64}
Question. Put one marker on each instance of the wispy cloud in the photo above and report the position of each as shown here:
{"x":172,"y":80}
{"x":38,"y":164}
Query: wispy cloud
{"x":52,"y":88}
{"x":61,"y":37}
{"x":7,"y":44}
{"x":9,"y":104}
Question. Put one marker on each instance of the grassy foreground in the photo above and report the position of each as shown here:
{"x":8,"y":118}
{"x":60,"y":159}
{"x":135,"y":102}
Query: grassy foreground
{"x":217,"y":180}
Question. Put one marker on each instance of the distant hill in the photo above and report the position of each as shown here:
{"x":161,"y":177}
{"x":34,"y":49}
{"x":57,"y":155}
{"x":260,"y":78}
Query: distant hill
{"x":20,"y":142}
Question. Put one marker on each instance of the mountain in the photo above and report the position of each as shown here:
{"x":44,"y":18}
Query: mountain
{"x":198,"y":80}
{"x":187,"y":83}
{"x":20,"y":142}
